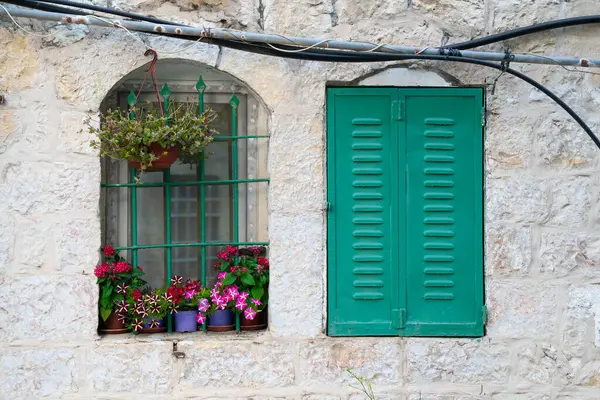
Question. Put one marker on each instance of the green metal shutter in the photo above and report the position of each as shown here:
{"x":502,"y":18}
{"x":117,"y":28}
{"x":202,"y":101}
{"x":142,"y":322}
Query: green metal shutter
{"x":444,"y":236}
{"x":405,"y":226}
{"x":362,"y":224}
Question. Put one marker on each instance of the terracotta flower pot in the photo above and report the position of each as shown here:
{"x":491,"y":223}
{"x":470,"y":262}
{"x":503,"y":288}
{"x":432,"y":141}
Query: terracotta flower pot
{"x":164,"y":161}
{"x":259,"y":322}
{"x":113,"y":326}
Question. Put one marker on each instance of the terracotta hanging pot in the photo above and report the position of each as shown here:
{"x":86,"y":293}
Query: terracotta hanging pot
{"x":113,"y":326}
{"x":259,"y":322}
{"x":163,"y":162}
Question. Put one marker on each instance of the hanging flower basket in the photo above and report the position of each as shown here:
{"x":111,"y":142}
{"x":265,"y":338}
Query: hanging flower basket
{"x":165,"y":158}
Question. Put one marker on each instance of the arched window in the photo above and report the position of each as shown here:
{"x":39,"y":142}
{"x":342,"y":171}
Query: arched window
{"x":175,"y":221}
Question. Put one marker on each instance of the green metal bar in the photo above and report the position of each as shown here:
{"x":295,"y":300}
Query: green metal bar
{"x":167,"y":177}
{"x":193,"y":183}
{"x":177,"y":245}
{"x":234,"y":103}
{"x":133,"y":211}
{"x":201,"y":87}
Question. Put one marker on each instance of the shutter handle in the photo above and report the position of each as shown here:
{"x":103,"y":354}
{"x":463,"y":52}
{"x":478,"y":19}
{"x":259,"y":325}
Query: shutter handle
{"x":327,"y":206}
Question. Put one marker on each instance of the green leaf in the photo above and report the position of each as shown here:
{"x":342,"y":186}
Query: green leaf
{"x":229,"y":279}
{"x":247,"y":279}
{"x":257,"y":292}
{"x":105,"y":313}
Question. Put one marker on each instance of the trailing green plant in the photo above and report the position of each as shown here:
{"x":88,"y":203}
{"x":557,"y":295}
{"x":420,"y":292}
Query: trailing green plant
{"x":365,"y":385}
{"x":131,"y":134}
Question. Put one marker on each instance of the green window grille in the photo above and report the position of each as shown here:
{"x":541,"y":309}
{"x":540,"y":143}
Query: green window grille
{"x":179,"y":206}
{"x":405,"y":222}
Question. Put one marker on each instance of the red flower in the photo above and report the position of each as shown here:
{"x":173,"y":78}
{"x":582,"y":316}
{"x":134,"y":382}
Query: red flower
{"x":223,"y":255}
{"x":231,"y":250}
{"x":101,"y":271}
{"x":136,"y":294}
{"x":109,"y":251}
{"x":263,"y":261}
{"x":122,"y":267}
{"x":140,"y":268}
{"x":244,"y":269}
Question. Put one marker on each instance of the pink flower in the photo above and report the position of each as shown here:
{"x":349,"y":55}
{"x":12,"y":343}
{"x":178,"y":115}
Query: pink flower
{"x":223,"y":255}
{"x":241,"y":304}
{"x":243,"y":295}
{"x":233,"y":292}
{"x":249,"y":314}
{"x":189,"y":294}
{"x":222,"y":275}
{"x":203,"y":305}
{"x":232,"y":269}
{"x":256,"y":302}
{"x":200,"y":318}
{"x":219,"y":283}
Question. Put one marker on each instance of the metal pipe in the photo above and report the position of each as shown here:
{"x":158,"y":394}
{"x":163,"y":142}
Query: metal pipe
{"x":177,"y":245}
{"x":365,"y":47}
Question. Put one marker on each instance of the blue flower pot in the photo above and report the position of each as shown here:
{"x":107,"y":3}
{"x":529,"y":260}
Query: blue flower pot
{"x":221,"y":320}
{"x":185,"y":321}
{"x":147,"y":321}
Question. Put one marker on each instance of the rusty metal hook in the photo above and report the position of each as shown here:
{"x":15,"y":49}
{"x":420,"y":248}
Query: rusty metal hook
{"x":154,"y":59}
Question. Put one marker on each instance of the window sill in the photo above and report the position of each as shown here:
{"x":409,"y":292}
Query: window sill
{"x":127,"y":338}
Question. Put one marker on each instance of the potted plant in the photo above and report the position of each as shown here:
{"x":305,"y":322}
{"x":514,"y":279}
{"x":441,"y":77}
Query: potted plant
{"x":152,"y":141}
{"x":146,"y":310}
{"x":184,"y":299}
{"x":114,"y":277}
{"x":221,"y":306}
{"x":248,"y":269}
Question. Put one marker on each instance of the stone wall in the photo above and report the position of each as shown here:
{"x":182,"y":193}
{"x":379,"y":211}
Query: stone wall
{"x":542,"y":214}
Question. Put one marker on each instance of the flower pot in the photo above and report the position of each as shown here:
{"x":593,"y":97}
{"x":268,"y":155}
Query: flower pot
{"x":146,"y":326}
{"x":164,"y":161}
{"x":113,"y":326}
{"x":221,"y":321}
{"x":259,"y":322}
{"x":185,"y":321}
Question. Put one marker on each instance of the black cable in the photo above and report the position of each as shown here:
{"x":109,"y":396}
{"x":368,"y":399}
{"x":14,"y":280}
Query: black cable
{"x":525,"y":30}
{"x":343,"y":56}
{"x":44,"y":7}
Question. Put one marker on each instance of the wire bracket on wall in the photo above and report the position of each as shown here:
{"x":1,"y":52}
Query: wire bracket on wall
{"x":505,"y":65}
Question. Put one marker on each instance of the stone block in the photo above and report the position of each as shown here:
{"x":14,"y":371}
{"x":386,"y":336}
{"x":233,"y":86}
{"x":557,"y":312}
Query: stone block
{"x":511,"y":14}
{"x":77,"y":244}
{"x":570,"y":254}
{"x":326,"y":362}
{"x":34,"y":373}
{"x":139,"y":368}
{"x":352,"y":12}
{"x":464,"y":19}
{"x":237,"y":364}
{"x":19,"y":60}
{"x":521,"y":396}
{"x":578,"y":334}
{"x":296,"y":165}
{"x":33,"y":240}
{"x":449,"y":396}
{"x":457,"y":361}
{"x":48,"y":308}
{"x":70,"y":137}
{"x":562,"y":144}
{"x":521,"y":309}
{"x":297,"y":261}
{"x":516,"y":199}
{"x":508,"y":249}
{"x":508,"y":146}
{"x":303,"y":17}
{"x":537,"y":363}
{"x":35,"y":188}
{"x":7,"y":240}
{"x":570,"y":201}
{"x":10,"y":129}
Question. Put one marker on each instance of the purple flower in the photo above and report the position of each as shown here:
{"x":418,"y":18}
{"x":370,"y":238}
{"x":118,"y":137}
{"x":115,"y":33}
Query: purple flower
{"x":154,"y":324}
{"x":200,"y":318}
{"x":203,"y":305}
{"x":121,"y":318}
{"x":176,"y":280}
{"x":249,"y":314}
{"x":122,"y":306}
{"x":122,"y":289}
{"x":137,"y":325}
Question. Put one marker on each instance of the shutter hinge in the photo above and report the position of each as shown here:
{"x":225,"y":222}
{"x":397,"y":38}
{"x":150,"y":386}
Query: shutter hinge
{"x":484,"y":314}
{"x":483,"y":119}
{"x":398,"y":318}
{"x":398,"y":110}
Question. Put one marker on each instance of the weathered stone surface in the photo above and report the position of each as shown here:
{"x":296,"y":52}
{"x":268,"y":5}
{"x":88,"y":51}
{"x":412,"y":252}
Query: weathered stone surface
{"x":508,"y":145}
{"x":434,"y":396}
{"x":572,"y":253}
{"x":7,"y":240}
{"x":579,"y":333}
{"x":19,"y":62}
{"x":317,"y":17}
{"x":10,"y":128}
{"x":70,"y":137}
{"x":378,"y":360}
{"x":289,"y":312}
{"x":562,"y":144}
{"x":77,"y":244}
{"x":516,"y":199}
{"x":537,"y":363}
{"x":521,"y":396}
{"x":143,"y":368}
{"x":521,"y":309}
{"x":44,"y":187}
{"x":508,"y":249}
{"x":34,"y":373}
{"x":33,"y":243}
{"x":570,"y":201}
{"x":232,"y":364}
{"x":42,"y":308}
{"x":352,"y":12}
{"x":434,"y":360}
{"x":509,"y":14}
